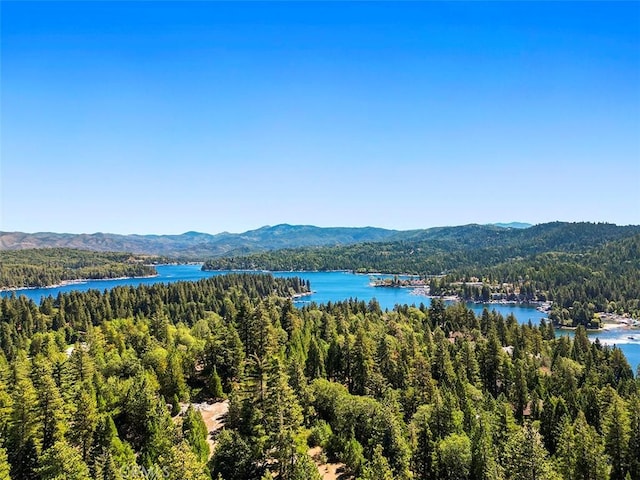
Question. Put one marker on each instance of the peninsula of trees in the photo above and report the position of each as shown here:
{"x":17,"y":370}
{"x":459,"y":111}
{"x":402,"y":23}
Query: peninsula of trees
{"x":97,"y":385}
{"x":51,"y":266}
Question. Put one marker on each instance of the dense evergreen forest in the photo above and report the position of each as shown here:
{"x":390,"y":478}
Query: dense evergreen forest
{"x":50,"y":266}
{"x":91,"y":387}
{"x":604,"y":279}
{"x":436,"y":250}
{"x":582,"y":268}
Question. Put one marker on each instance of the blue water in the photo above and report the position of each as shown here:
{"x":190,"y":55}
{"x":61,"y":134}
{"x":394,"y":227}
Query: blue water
{"x":336,"y":286}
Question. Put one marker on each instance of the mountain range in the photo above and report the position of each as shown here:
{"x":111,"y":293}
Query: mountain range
{"x":198,"y":245}
{"x":437,"y":249}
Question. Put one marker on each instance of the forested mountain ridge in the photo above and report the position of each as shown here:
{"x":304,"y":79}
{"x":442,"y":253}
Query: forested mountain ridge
{"x":411,"y":394}
{"x":51,"y":266}
{"x":436,"y":250}
{"x":194,"y":245}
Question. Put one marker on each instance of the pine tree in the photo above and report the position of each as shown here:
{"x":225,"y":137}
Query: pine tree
{"x":230,"y":360}
{"x":442,"y":367}
{"x":504,"y":424}
{"x":233,"y":458}
{"x":436,"y":312}
{"x":470,"y":362}
{"x":50,"y":404}
{"x":352,"y":456}
{"x":181,"y":463}
{"x":520,"y":390}
{"x":633,"y":459}
{"x":490,"y":362}
{"x":194,"y":431}
{"x":63,"y":461}
{"x":525,"y":457}
{"x":581,"y":452}
{"x":616,"y":429}
{"x":483,"y":455}
{"x":24,"y":462}
{"x":283,"y":417}
{"x":176,"y":383}
{"x":145,"y":421}
{"x":21,"y":445}
{"x":175,"y":405}
{"x":215,"y":385}
{"x":262,"y":337}
{"x":554,"y":414}
{"x":104,"y":468}
{"x":4,"y":465}
{"x":314,"y":366}
{"x":299,"y":384}
{"x":423,"y":443}
{"x":160,"y":433}
{"x":109,"y":453}
{"x":6,"y":407}
{"x":304,"y":468}
{"x":391,"y":428}
{"x":422,"y":381}
{"x":81,"y":364}
{"x":85,"y":419}
{"x":362,"y":363}
{"x":378,"y":468}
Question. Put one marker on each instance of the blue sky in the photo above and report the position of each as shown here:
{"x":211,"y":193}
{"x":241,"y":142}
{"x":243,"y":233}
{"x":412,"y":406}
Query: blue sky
{"x":161,"y":117}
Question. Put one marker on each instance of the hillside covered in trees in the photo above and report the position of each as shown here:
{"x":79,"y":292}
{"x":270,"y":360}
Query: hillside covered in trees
{"x":604,"y":279}
{"x":90,"y":385}
{"x":50,"y":266}
{"x":583,"y":268}
{"x":436,"y":250}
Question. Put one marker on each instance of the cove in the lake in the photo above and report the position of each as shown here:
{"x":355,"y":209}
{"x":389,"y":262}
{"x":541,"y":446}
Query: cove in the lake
{"x":337,"y":286}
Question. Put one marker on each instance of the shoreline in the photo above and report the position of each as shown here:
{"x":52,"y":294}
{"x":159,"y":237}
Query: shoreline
{"x":76,"y":281}
{"x":381,"y":274}
{"x":384,"y":285}
{"x":262,"y":270}
{"x":543,"y":307}
{"x":295,"y":296}
{"x":605,"y":327}
{"x":622,"y":323}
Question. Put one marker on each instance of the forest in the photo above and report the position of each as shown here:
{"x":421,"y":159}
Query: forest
{"x":98,"y":385}
{"x":582,"y":268}
{"x":437,"y":250}
{"x":604,"y":279}
{"x":50,"y":266}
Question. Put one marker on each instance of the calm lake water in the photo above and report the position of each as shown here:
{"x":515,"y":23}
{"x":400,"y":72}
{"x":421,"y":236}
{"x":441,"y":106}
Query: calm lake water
{"x":336,"y":286}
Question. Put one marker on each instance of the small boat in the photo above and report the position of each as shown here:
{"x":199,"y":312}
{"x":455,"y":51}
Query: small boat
{"x":631,"y":338}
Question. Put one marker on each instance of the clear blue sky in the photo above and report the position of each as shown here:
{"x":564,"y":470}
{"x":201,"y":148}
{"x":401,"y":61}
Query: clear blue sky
{"x":160,"y":117}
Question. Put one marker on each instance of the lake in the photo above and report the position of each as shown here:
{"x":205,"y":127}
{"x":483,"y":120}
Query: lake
{"x":336,"y":286}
